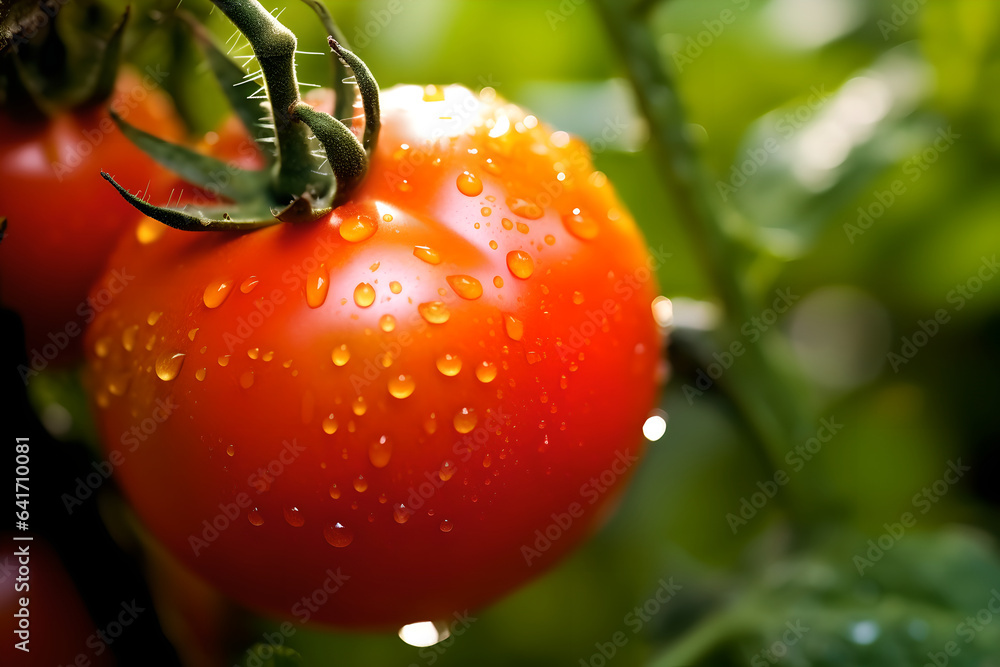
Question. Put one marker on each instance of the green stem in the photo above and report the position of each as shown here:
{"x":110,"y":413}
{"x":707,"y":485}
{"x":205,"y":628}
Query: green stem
{"x":274,"y":46}
{"x":765,"y":395}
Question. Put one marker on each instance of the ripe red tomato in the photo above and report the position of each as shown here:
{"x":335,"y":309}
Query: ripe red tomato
{"x":402,"y":410}
{"x":62,"y":222}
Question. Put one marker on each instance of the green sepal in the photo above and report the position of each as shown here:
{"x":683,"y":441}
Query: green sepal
{"x":302,"y":209}
{"x":241,"y":185}
{"x":235,"y":217}
{"x":232,"y":79}
{"x":344,"y":105}
{"x":344,"y":152}
{"x":369,"y":95}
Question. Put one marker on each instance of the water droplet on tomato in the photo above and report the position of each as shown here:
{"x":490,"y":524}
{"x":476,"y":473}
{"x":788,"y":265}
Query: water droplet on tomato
{"x":379,"y":452}
{"x":465,"y":420}
{"x":364,"y":295}
{"x":430,"y":424}
{"x":427,"y":254}
{"x":469,"y":184}
{"x":169,"y":365}
{"x":247,"y":285}
{"x":486,"y":371}
{"x":341,"y":355}
{"x":357,"y":230}
{"x":447,"y":471}
{"x":387,"y":323}
{"x":330,"y":424}
{"x":361,"y":484}
{"x":102,"y":346}
{"x":128,"y":337}
{"x":520,"y":264}
{"x":435,"y":312}
{"x":254,"y":517}
{"x":317,"y":287}
{"x":401,"y":513}
{"x":497,"y":282}
{"x":253,"y":352}
{"x":578,"y":298}
{"x":294,"y":517}
{"x":580,"y":226}
{"x":153,"y":317}
{"x":446,"y":526}
{"x":359,"y":406}
{"x":224,"y":360}
{"x":507,"y":223}
{"x":525,"y":208}
{"x":216,"y":292}
{"x":395,"y":287}
{"x":466,"y":287}
{"x":337,"y":535}
{"x":449,"y":364}
{"x":246,"y":380}
{"x":334,"y":492}
{"x":401,"y":386}
{"x":514,"y":326}
{"x":200,"y":374}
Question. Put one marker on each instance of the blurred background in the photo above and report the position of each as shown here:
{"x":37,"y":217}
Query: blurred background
{"x":826,"y":497}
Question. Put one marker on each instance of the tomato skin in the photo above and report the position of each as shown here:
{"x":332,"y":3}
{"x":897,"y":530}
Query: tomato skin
{"x":62,"y":220}
{"x":233,"y":434}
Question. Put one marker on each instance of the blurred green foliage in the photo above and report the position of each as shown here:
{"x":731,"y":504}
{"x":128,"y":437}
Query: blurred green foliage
{"x":854,"y":209}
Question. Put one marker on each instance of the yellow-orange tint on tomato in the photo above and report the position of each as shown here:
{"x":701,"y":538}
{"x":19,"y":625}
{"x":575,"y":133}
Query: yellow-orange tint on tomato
{"x":376,"y":428}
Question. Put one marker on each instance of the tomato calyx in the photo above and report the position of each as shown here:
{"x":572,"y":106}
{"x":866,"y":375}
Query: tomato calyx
{"x":297,"y":183}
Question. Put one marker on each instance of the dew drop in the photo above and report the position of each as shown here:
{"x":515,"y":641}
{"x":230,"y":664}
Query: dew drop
{"x":364,"y":295}
{"x":466,"y":287}
{"x":330,"y":424}
{"x":247,"y":285}
{"x":361,"y":484}
{"x":427,"y":254}
{"x":514,"y":326}
{"x":337,"y":535}
{"x":169,"y":365}
{"x":200,"y":374}
{"x":341,"y":355}
{"x":192,"y":334}
{"x":507,"y":223}
{"x":446,"y":526}
{"x":449,"y":364}
{"x":523,"y":228}
{"x":520,"y":264}
{"x":465,"y":420}
{"x":469,"y":184}
{"x":497,"y":282}
{"x":486,"y":372}
{"x":435,"y":312}
{"x":387,"y":217}
{"x":357,"y":230}
{"x":224,"y":360}
{"x":486,"y":211}
{"x":447,"y":471}
{"x":359,"y":406}
{"x":578,"y":298}
{"x":580,"y":226}
{"x":493,"y":245}
{"x":395,"y":287}
{"x":317,"y":287}
{"x":401,"y":513}
{"x":253,"y":352}
{"x":246,"y":380}
{"x":334,"y":492}
{"x":401,"y":386}
{"x":216,"y":292}
{"x":294,"y":517}
{"x":525,"y":208}
{"x":129,"y":336}
{"x":430,"y":424}
{"x":254,"y":517}
{"x":387,"y":323}
{"x":379,"y":452}
{"x":149,"y":230}
{"x":153,"y":317}
{"x":102,"y":346}
{"x":549,"y":239}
